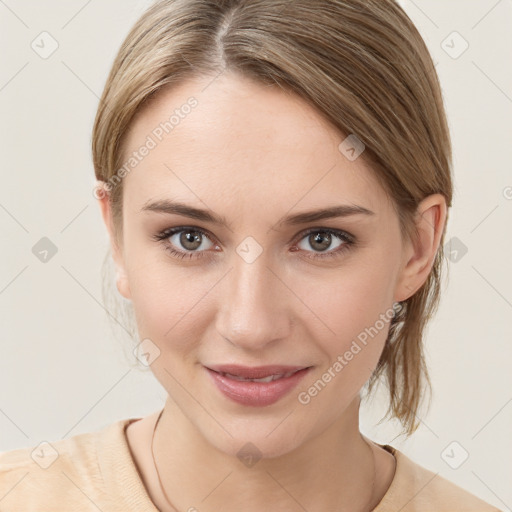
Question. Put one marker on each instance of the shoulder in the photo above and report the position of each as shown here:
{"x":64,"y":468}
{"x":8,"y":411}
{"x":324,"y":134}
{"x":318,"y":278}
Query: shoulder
{"x":63,"y":473}
{"x":417,"y":489}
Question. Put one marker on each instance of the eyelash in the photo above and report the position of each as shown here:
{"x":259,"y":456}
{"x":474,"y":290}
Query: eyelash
{"x":162,"y":236}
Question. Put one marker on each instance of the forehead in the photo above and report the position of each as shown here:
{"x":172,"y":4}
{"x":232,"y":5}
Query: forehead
{"x":230,"y":139}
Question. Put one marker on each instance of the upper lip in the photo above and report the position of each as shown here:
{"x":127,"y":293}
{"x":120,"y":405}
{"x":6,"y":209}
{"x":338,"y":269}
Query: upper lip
{"x":255,"y":372}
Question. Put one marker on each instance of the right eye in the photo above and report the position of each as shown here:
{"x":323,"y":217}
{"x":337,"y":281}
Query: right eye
{"x":184,"y":242}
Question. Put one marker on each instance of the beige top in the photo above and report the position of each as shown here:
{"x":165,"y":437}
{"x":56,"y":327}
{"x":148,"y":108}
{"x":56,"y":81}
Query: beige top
{"x":97,"y":472}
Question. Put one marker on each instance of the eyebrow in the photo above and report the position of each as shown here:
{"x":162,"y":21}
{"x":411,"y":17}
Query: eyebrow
{"x":176,"y":207}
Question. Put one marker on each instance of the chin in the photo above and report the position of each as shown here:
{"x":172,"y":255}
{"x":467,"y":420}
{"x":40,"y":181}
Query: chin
{"x":250,"y":449}
{"x":252,"y":443}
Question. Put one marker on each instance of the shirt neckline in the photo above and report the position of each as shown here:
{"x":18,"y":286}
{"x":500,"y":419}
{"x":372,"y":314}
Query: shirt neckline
{"x":123,"y":480}
{"x":119,"y":470}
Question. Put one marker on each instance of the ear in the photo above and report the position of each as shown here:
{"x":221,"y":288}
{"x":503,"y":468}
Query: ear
{"x":419,"y":253}
{"x":117,"y":253}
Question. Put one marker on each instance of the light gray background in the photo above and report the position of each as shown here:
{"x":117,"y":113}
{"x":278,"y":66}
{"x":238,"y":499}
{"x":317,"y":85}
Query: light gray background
{"x":62,"y":369}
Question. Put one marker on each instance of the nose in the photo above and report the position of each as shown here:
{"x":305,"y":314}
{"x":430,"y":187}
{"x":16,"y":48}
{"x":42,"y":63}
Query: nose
{"x":254,"y":305}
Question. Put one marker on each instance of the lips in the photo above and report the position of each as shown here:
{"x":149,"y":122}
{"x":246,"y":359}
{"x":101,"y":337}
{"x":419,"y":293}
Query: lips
{"x":256,"y":386}
{"x":271,"y":372}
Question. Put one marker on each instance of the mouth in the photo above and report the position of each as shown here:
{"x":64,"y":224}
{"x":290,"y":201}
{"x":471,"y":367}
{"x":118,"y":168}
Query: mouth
{"x":256,"y":386}
{"x":256,"y":373}
{"x":270,"y":378}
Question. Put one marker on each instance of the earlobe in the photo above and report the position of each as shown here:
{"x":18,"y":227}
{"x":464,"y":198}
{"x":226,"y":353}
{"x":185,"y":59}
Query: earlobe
{"x":122,"y":282}
{"x":121,"y":277}
{"x":420,"y":253}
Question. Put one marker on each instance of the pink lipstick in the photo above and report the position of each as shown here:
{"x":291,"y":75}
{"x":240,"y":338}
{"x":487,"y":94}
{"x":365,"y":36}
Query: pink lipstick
{"x":256,"y":386}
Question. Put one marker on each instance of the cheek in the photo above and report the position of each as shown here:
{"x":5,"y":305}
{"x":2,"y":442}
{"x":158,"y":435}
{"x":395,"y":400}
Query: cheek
{"x":354,"y":305}
{"x":169,"y":305}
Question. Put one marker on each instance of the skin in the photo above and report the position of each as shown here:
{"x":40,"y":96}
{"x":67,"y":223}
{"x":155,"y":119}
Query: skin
{"x":254,"y":155}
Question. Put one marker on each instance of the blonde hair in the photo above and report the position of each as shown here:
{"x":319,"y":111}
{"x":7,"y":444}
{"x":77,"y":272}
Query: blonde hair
{"x":360,"y":63}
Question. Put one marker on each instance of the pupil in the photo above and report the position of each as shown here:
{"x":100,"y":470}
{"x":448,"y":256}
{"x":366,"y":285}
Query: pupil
{"x":324,"y":240}
{"x":188,"y":238}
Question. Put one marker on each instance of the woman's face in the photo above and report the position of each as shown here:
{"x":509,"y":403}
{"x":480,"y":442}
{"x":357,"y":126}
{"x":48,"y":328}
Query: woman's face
{"x":265,"y":286}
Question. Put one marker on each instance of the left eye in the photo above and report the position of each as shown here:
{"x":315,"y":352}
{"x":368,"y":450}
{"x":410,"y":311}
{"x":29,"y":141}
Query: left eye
{"x":322,"y":240}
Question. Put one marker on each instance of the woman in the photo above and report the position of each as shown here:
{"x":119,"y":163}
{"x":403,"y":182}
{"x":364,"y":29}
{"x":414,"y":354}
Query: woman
{"x":275,"y":180}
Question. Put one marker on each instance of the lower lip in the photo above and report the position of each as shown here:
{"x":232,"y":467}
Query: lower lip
{"x":256,"y":394}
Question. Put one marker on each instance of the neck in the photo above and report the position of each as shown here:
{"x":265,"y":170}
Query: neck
{"x":332,"y":471}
